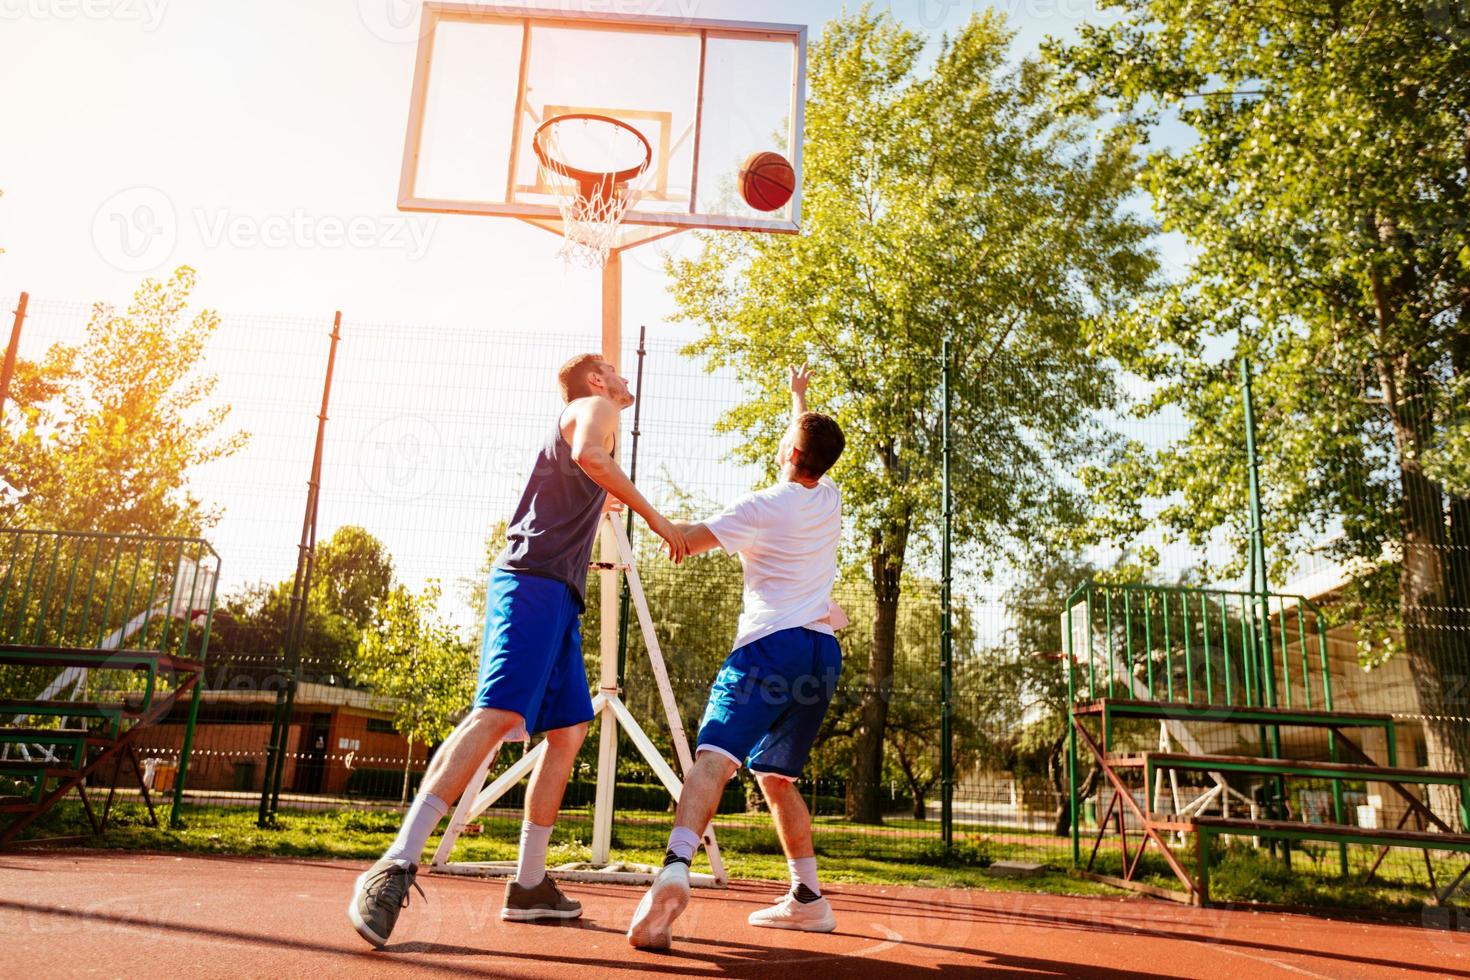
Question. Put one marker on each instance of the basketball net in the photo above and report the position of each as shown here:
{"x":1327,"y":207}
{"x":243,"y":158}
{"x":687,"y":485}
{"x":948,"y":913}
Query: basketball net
{"x":591,"y":211}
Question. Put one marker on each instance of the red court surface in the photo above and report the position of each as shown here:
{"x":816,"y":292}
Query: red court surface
{"x":78,"y":913}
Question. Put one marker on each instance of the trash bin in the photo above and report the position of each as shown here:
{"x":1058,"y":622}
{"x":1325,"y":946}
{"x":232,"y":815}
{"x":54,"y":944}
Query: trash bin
{"x":244,"y":776}
{"x":164,"y":775}
{"x":1089,"y":813}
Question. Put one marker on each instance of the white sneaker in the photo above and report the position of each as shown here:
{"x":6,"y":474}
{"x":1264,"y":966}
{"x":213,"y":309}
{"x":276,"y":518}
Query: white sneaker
{"x":653,"y":923}
{"x":791,"y":914}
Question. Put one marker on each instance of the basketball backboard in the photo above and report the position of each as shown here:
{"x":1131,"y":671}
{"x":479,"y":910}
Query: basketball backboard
{"x":706,"y":94}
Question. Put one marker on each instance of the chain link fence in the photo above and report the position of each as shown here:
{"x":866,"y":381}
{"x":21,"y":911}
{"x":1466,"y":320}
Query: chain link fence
{"x":431,"y":435}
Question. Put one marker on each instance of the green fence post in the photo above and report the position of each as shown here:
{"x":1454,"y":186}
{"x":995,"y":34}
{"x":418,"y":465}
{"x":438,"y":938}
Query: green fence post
{"x":1067,"y":645}
{"x":188,"y":746}
{"x":946,"y":637}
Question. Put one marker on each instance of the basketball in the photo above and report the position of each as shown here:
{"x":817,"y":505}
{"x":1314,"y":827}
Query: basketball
{"x":767,"y":181}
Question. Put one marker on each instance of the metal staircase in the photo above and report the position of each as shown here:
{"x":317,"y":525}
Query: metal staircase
{"x":101,"y":635}
{"x":1241,"y":667}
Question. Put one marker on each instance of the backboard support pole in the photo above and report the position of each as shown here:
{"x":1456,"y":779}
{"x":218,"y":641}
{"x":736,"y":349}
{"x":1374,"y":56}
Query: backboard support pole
{"x":607,"y":749}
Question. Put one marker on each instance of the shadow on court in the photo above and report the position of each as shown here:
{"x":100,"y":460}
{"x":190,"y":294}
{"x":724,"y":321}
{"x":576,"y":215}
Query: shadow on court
{"x":241,"y":917}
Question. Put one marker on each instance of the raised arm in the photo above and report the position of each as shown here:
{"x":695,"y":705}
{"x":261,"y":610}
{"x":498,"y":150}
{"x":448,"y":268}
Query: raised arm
{"x":594,"y":423}
{"x":800,"y":378}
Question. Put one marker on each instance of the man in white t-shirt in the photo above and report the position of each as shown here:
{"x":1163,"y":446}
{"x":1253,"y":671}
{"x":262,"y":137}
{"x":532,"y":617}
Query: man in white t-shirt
{"x":769,"y":699}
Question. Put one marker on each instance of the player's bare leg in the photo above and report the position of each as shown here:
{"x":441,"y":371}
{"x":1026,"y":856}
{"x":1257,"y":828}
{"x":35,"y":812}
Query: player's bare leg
{"x":804,"y":908}
{"x":464,"y":750}
{"x":653,"y":922}
{"x":382,"y":891}
{"x":532,"y":895}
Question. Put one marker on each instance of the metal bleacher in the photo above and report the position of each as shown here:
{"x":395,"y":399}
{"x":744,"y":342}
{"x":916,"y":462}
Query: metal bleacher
{"x":101,"y":635}
{"x":1222,"y":675}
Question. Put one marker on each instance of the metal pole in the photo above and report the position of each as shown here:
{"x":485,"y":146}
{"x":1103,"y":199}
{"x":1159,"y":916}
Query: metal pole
{"x":174,"y":818}
{"x":1266,"y":675}
{"x":1258,"y":538}
{"x":633,"y":477}
{"x":275,"y":766}
{"x":1257,"y":529}
{"x":946,"y":635}
{"x":12,"y":351}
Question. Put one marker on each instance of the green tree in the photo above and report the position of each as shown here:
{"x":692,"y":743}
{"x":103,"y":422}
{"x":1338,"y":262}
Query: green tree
{"x":410,"y":655}
{"x":943,"y":196}
{"x":112,"y":427}
{"x":474,"y":589}
{"x":1028,"y":678}
{"x":1325,"y":190}
{"x":352,"y":574}
{"x":351,"y":578}
{"x":915,"y":710}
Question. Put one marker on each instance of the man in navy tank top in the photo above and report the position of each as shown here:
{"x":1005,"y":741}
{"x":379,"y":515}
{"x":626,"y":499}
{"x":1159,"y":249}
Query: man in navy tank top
{"x":531,"y":670}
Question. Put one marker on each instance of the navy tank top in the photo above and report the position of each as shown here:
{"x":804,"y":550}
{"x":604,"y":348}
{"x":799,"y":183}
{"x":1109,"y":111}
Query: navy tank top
{"x":555,"y":524}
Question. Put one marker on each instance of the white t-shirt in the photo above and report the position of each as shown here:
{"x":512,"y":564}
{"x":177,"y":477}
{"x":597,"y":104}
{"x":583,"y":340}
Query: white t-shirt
{"x":787,"y":537}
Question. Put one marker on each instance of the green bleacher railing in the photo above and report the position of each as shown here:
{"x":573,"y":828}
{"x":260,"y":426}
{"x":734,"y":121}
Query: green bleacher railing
{"x":1194,"y":647}
{"x":108,"y":593}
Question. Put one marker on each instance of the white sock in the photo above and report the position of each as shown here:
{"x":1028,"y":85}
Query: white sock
{"x":531,"y":868}
{"x":423,"y":817}
{"x":804,"y":872}
{"x":683,"y":842}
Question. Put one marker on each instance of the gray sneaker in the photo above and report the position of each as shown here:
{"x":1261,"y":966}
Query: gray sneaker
{"x":545,"y":901}
{"x":380,"y":894}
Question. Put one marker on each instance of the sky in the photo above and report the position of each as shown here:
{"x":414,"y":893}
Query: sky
{"x":261,"y":143}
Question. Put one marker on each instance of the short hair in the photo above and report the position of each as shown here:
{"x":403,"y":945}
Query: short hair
{"x":574,"y":374}
{"x":821,"y":442}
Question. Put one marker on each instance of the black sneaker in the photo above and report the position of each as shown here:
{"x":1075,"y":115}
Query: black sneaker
{"x":380,"y":894}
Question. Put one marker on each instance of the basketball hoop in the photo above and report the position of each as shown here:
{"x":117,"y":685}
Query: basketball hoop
{"x":594,"y":165}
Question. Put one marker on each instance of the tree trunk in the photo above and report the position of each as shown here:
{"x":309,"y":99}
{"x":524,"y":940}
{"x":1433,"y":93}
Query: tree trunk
{"x":1433,"y":646}
{"x":864,"y":784}
{"x":407,"y":763}
{"x":1056,"y":769}
{"x":917,"y":789}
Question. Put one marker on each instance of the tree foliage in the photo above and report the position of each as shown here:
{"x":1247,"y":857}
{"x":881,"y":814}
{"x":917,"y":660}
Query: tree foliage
{"x":113,"y":427}
{"x":943,"y":198}
{"x":1325,"y":190}
{"x":352,"y":574}
{"x":411,"y":655}
{"x":351,"y":579}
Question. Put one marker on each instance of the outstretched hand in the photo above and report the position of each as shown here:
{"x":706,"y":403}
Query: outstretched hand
{"x":673,"y":537}
{"x":800,"y":378}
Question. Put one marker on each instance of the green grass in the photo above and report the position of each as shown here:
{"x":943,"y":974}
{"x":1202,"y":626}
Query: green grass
{"x":1241,"y":873}
{"x":748,"y":843}
{"x":899,"y":853}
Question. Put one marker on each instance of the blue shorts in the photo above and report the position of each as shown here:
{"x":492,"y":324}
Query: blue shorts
{"x":531,"y":653}
{"x":769,"y":699}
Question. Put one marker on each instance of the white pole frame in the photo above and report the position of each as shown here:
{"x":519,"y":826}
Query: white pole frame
{"x":607,"y":706}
